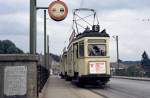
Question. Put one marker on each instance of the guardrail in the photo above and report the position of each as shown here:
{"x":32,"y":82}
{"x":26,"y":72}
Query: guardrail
{"x":42,"y":76}
{"x":132,"y":78}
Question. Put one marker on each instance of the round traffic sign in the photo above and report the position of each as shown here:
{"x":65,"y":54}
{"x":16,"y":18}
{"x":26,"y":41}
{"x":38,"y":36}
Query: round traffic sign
{"x":58,"y":10}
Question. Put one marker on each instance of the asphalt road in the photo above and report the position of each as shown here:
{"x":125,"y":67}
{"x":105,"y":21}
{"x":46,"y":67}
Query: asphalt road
{"x":123,"y":88}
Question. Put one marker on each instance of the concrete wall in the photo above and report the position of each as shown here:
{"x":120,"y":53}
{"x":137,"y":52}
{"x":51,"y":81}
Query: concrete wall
{"x":13,"y":60}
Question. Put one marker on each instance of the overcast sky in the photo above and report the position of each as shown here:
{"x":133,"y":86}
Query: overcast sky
{"x":129,"y":19}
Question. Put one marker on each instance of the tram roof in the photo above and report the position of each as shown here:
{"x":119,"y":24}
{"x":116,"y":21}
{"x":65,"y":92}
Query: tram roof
{"x":92,"y":33}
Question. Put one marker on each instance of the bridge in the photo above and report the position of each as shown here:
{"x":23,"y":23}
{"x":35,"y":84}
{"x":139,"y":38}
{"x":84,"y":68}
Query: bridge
{"x":35,"y":75}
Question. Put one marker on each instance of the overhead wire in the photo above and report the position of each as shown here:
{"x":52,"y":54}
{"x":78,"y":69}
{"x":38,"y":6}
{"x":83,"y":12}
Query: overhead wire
{"x":84,"y":20}
{"x":85,"y":17}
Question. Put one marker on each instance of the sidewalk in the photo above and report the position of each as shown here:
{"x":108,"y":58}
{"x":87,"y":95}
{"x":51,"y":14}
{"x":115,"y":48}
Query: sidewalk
{"x":59,"y":88}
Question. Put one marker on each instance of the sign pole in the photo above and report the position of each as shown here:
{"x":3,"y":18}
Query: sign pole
{"x":48,"y":52}
{"x":53,"y":10}
{"x":32,"y":27}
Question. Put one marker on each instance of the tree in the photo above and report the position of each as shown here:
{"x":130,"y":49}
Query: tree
{"x":120,"y":61}
{"x":145,"y":56}
{"x":145,"y":60}
{"x":8,"y":47}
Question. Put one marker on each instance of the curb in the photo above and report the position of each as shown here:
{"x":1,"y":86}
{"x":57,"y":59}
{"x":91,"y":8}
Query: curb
{"x":132,"y":78}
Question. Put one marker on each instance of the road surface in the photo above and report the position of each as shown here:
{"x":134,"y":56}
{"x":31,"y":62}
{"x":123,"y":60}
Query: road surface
{"x":124,"y":88}
{"x":116,"y":88}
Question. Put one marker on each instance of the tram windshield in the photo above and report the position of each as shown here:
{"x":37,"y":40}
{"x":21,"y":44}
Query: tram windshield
{"x":97,"y":50}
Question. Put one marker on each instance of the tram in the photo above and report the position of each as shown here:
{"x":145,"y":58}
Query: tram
{"x":86,"y":59}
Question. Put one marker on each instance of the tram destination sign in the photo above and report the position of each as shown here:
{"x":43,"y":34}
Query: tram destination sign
{"x":58,"y":10}
{"x":15,"y":80}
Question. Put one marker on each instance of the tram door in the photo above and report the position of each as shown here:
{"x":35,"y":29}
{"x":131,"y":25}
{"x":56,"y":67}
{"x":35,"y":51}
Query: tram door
{"x":75,"y":57}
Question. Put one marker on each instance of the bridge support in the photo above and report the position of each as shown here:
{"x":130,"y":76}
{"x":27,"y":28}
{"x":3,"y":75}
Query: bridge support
{"x":18,"y":76}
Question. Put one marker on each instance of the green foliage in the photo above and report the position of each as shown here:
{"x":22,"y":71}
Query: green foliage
{"x":8,"y":47}
{"x":133,"y":71}
{"x":121,"y":72}
{"x":147,"y":74}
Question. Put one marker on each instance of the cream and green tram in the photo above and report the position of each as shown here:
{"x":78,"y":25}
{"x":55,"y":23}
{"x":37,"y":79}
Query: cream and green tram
{"x":63,"y":67}
{"x":88,"y":58}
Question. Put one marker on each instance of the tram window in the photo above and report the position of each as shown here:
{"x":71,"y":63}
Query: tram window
{"x":81,"y":49}
{"x":97,"y":50}
{"x":76,"y":50}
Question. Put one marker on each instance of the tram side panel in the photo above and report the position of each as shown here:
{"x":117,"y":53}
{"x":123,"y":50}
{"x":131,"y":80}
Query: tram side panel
{"x":63,"y":65}
{"x":70,"y":69}
{"x":61,"y":69}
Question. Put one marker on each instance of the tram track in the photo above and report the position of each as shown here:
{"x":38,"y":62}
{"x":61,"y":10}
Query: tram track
{"x":98,"y":93}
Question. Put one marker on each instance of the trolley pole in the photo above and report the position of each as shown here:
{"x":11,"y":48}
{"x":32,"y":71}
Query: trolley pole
{"x":45,"y":63}
{"x":32,"y":27}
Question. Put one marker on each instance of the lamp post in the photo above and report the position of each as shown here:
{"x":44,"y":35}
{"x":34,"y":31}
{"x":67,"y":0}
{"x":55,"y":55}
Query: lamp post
{"x":117,"y":51}
{"x":33,"y":31}
{"x":32,"y":27}
{"x":52,"y":10}
{"x":45,"y":60}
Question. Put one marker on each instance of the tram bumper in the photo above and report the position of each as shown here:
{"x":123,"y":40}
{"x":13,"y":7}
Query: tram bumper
{"x":94,"y":78}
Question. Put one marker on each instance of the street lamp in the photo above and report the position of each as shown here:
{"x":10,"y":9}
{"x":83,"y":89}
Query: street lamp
{"x":117,"y":50}
{"x":32,"y":27}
